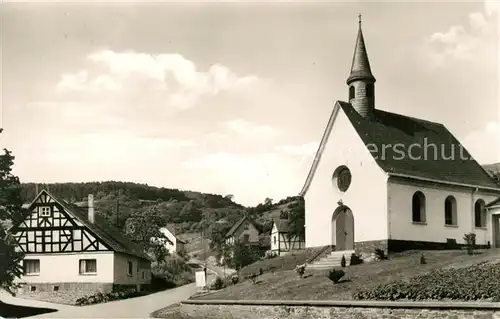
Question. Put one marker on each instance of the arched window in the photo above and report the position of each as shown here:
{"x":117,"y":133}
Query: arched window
{"x":351,"y":92}
{"x":418,"y":207}
{"x":450,"y":211}
{"x":480,"y":213}
{"x":370,"y":90}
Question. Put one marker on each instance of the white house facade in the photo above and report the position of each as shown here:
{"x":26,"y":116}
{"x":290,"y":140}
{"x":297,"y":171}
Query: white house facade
{"x":173,"y":244}
{"x":66,"y":250}
{"x":386,"y":181}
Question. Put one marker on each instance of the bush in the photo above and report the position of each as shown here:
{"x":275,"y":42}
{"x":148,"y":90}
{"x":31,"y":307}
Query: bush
{"x":380,"y":254}
{"x":355,"y":260}
{"x":270,"y":254}
{"x":463,"y":284}
{"x":253,"y":278}
{"x":422,"y":260}
{"x":335,"y":275}
{"x":300,"y":270}
{"x":218,"y":283}
{"x":342,"y":261}
{"x":235,"y":279}
{"x":470,"y":242}
{"x":106,"y":297}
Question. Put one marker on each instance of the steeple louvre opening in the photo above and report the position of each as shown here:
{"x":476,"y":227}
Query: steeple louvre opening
{"x":361,"y":81}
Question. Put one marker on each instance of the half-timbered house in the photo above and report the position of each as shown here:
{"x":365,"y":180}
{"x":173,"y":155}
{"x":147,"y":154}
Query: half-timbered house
{"x":67,"y":248}
{"x":281,"y":241}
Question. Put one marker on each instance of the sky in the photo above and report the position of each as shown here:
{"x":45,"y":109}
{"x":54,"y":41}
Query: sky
{"x":230,"y":97}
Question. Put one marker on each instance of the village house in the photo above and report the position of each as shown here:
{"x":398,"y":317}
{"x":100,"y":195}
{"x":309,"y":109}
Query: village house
{"x":68,"y":249}
{"x":173,"y":244}
{"x":281,"y":241}
{"x":244,"y":231}
{"x":382,"y":180}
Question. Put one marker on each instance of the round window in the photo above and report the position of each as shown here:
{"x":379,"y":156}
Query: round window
{"x":342,"y":177}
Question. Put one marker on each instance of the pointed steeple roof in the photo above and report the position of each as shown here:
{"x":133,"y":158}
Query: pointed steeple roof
{"x":360,"y":69}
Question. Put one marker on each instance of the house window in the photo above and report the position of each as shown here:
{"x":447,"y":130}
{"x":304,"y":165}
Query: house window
{"x":480,"y":213}
{"x":351,"y":92}
{"x":44,"y":211}
{"x":130,"y":268}
{"x":274,"y":237}
{"x":31,"y":266}
{"x":247,"y":227}
{"x":143,"y":275}
{"x":246,"y":238}
{"x":418,"y":207}
{"x":450,"y":211}
{"x":88,"y":266}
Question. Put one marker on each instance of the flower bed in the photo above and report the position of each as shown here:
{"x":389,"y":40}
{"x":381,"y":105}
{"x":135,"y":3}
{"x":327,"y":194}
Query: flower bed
{"x":110,"y":296}
{"x":473,"y":283}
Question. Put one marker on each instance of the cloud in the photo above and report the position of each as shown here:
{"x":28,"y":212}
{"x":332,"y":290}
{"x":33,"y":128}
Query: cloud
{"x":305,"y":149}
{"x":484,"y":145}
{"x":171,"y":78}
{"x":251,"y":130}
{"x":461,"y":42}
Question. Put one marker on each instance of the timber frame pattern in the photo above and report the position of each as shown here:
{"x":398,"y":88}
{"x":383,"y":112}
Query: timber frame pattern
{"x":51,"y":228}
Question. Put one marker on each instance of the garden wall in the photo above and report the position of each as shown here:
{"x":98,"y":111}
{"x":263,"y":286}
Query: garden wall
{"x":246,"y":309}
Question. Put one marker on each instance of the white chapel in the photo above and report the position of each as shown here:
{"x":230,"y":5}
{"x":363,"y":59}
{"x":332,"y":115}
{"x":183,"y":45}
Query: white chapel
{"x":381,"y":180}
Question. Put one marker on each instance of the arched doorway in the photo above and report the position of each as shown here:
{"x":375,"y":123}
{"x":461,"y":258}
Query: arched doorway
{"x":343,"y":229}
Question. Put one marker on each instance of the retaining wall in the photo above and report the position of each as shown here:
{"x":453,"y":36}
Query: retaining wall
{"x":264,"y":309}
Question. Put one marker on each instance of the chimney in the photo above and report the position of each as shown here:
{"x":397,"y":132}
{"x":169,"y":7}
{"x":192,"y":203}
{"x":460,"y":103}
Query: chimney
{"x":91,"y":216}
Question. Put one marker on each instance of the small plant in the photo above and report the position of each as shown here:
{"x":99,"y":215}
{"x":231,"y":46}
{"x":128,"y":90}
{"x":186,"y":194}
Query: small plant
{"x":335,"y":275}
{"x":355,"y":260}
{"x":219,"y":283}
{"x":235,"y":279}
{"x":422,"y":260}
{"x":380,"y":254}
{"x":253,"y":277}
{"x":300,"y":270}
{"x":342,"y":261}
{"x":470,"y":242}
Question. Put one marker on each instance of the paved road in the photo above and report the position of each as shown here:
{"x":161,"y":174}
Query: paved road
{"x":139,"y":307}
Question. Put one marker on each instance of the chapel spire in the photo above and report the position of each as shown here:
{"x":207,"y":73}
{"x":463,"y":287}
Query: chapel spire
{"x":361,"y":80}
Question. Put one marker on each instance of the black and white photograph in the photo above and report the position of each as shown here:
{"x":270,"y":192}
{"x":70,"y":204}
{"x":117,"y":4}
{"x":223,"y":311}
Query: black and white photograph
{"x":250,"y":159}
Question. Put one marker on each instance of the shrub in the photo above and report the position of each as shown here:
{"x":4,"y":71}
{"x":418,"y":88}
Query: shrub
{"x":110,"y":296}
{"x":470,"y":242}
{"x":253,"y":278}
{"x":462,"y":284}
{"x":342,"y":261}
{"x":270,"y":254}
{"x":335,"y":275}
{"x":422,"y":260}
{"x":380,"y":254}
{"x":235,"y":279}
{"x":355,"y":260}
{"x":300,"y":270}
{"x":218,"y":283}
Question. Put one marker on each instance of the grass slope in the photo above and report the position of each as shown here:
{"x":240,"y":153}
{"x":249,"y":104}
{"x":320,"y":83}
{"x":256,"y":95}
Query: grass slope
{"x":286,"y":285}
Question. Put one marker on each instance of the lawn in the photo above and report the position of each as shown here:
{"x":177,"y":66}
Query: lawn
{"x":286,"y":285}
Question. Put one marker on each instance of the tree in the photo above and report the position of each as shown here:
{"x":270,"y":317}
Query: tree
{"x":10,"y":212}
{"x":296,"y":219}
{"x":144,"y":230}
{"x":244,"y":255}
{"x":268,"y":201}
